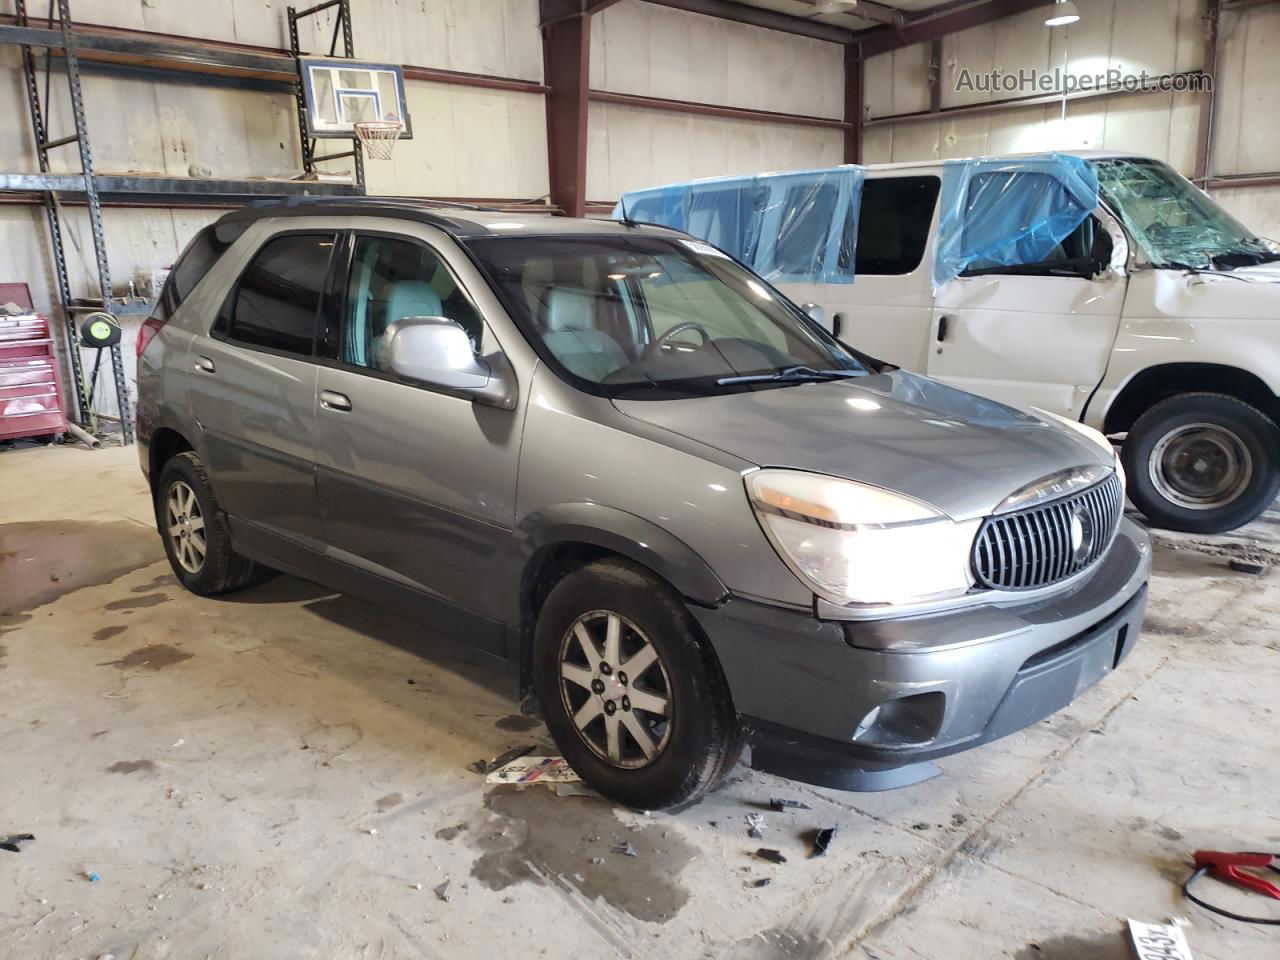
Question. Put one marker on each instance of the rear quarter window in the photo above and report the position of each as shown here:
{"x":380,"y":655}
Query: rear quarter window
{"x":894,"y":224}
{"x":204,"y":250}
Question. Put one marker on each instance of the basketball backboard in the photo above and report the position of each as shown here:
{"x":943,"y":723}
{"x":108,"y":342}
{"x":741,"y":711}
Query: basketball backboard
{"x":341,"y":93}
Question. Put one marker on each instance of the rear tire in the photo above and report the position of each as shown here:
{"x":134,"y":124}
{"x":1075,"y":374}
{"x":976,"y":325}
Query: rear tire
{"x":194,"y":530}
{"x":693,"y":738}
{"x":1202,"y":463}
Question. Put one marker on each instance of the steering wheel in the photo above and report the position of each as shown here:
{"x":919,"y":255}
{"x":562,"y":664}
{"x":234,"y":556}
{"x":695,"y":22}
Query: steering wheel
{"x":671,"y":334}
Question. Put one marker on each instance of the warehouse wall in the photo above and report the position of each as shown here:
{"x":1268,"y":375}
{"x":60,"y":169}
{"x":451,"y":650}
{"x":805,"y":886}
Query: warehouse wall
{"x":647,"y":50}
{"x":1158,"y":36}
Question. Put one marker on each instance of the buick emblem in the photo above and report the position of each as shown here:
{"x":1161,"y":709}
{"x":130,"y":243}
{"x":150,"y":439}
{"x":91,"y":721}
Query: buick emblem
{"x":1081,"y":535}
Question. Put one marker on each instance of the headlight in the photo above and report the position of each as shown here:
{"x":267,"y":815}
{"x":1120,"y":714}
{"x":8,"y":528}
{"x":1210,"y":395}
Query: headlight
{"x":854,"y":543}
{"x":1092,"y":435}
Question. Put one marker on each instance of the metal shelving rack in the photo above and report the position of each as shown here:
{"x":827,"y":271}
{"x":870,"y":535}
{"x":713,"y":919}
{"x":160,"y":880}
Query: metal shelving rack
{"x":124,"y":53}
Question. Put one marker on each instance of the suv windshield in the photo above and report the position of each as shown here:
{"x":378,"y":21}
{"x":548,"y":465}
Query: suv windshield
{"x":656,"y":317}
{"x":1174,"y":224}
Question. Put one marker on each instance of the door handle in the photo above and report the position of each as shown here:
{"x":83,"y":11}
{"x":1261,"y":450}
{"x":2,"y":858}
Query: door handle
{"x":205,"y":365}
{"x":944,"y":328}
{"x":332,"y":400}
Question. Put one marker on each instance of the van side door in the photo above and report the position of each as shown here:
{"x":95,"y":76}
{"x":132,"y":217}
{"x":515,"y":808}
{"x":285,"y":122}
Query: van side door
{"x":1036,"y":334}
{"x":416,"y":484}
{"x":253,"y":387}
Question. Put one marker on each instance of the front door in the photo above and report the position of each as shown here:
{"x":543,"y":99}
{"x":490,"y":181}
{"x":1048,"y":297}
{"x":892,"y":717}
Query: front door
{"x":416,"y":486}
{"x":1033,"y":335}
{"x":253,"y":387}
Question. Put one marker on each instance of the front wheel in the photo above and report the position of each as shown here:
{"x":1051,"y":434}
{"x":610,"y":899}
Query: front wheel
{"x":1203,"y":463}
{"x":632,"y":694}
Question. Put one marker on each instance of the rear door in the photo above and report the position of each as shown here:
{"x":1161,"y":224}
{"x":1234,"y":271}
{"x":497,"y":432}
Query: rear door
{"x":416,"y":485}
{"x":1034,"y":335}
{"x":253,"y":390}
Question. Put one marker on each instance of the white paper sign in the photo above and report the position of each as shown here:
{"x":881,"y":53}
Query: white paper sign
{"x":1159,"y":941}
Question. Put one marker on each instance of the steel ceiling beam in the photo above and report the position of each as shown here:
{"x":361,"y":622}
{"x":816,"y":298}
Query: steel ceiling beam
{"x":928,"y":27}
{"x":758,"y":17}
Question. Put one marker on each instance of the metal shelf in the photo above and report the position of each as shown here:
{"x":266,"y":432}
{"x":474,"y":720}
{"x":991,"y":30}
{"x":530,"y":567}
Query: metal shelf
{"x":112,"y":186}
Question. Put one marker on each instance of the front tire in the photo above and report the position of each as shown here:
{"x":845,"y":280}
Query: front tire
{"x":632,"y":694}
{"x":1203,"y":463}
{"x":194,"y":530}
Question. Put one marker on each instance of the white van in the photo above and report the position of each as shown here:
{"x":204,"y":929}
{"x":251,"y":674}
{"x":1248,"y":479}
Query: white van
{"x":1155,"y":319}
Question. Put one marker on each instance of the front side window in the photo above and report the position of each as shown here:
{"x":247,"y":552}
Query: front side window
{"x":655,"y":317}
{"x":1174,"y":224}
{"x":391,"y":280}
{"x":277,"y":301}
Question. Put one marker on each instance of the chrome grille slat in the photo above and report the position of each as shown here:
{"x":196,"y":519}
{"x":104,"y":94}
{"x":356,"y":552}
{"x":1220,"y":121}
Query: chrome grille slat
{"x":1031,"y":548}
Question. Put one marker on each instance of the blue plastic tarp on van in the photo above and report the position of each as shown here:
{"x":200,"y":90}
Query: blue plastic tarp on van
{"x":795,"y":227}
{"x":1006,"y":212}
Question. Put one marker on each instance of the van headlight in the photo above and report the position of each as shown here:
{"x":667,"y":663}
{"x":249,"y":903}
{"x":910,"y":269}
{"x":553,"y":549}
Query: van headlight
{"x":854,"y":543}
{"x":1096,"y":437}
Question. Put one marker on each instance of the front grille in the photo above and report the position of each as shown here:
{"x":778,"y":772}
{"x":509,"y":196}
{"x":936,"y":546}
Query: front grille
{"x":1035,"y":547}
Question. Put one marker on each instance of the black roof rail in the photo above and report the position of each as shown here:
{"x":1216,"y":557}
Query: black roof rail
{"x":408,"y":208}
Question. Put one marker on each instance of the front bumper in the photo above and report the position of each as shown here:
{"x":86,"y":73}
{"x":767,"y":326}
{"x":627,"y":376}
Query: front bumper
{"x":808,"y":690}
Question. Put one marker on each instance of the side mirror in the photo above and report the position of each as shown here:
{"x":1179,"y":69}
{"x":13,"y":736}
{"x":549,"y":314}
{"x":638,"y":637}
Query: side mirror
{"x":436,"y":351}
{"x":816,"y":313}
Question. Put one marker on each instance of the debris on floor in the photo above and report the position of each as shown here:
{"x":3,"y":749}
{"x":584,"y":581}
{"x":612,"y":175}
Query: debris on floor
{"x":1247,"y":566}
{"x":485,"y":767}
{"x":755,"y":826}
{"x":442,"y":892}
{"x":773,"y":856}
{"x":822,"y":840}
{"x":625,"y":850}
{"x":574,"y":789}
{"x":91,"y":876}
{"x":15,"y":841}
{"x":780,"y":804}
{"x":1159,"y":940}
{"x":762,"y":882}
{"x":525,"y":769}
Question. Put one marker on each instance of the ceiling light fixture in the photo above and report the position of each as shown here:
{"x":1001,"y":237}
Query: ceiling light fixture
{"x":1062,"y":13}
{"x":836,"y":6}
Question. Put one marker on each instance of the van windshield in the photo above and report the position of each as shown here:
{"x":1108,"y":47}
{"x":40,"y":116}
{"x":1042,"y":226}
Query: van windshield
{"x":655,"y":317}
{"x":1175,"y":225}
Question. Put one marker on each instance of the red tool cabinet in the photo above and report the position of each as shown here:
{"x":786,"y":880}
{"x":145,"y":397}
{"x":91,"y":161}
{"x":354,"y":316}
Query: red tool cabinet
{"x":30,"y":381}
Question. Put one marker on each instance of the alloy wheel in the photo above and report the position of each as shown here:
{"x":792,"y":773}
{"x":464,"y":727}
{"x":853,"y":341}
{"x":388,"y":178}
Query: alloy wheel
{"x":615,"y":688}
{"x":185,"y":526}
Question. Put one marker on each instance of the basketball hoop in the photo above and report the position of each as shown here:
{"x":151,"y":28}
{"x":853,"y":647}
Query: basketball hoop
{"x":379,"y":137}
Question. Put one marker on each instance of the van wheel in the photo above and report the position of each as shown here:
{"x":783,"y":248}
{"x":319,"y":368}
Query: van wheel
{"x":194,"y":532}
{"x":632,"y":694}
{"x":1203,"y":463}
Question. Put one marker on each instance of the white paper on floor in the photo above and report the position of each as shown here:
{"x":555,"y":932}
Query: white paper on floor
{"x":1159,"y":941}
{"x":534,"y":770}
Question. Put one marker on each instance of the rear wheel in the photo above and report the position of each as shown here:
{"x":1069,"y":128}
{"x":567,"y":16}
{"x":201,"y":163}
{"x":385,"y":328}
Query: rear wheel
{"x":633,"y":695}
{"x":195,"y":534}
{"x":1203,"y":463}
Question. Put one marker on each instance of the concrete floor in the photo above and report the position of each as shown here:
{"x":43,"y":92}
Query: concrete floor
{"x":282,"y":773}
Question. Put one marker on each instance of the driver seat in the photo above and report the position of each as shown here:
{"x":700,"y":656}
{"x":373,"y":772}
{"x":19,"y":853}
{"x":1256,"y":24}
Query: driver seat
{"x":572,"y":336}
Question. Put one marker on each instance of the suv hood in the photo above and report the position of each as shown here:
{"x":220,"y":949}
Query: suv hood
{"x":956,"y":451}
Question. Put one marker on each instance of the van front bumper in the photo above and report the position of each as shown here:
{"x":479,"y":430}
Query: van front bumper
{"x":867,"y":705}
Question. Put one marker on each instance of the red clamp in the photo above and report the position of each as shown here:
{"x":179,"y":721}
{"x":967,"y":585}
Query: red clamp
{"x":1227,"y":867}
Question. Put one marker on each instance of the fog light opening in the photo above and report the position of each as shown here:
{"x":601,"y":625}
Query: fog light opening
{"x":907,"y":721}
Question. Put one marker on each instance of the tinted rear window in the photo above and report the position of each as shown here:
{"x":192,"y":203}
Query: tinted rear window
{"x":278,"y":299}
{"x":894,"y":225}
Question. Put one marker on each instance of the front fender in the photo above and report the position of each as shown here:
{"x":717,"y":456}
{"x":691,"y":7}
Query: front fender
{"x":625,"y":534}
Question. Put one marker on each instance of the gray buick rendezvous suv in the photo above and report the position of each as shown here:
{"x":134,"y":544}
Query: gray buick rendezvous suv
{"x":612,"y":454}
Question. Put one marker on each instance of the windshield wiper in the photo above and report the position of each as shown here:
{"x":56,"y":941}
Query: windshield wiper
{"x":797,"y":374}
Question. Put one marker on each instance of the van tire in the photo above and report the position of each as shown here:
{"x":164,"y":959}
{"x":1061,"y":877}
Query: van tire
{"x":704,"y":739}
{"x":1202,"y":463}
{"x":223,"y":570}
